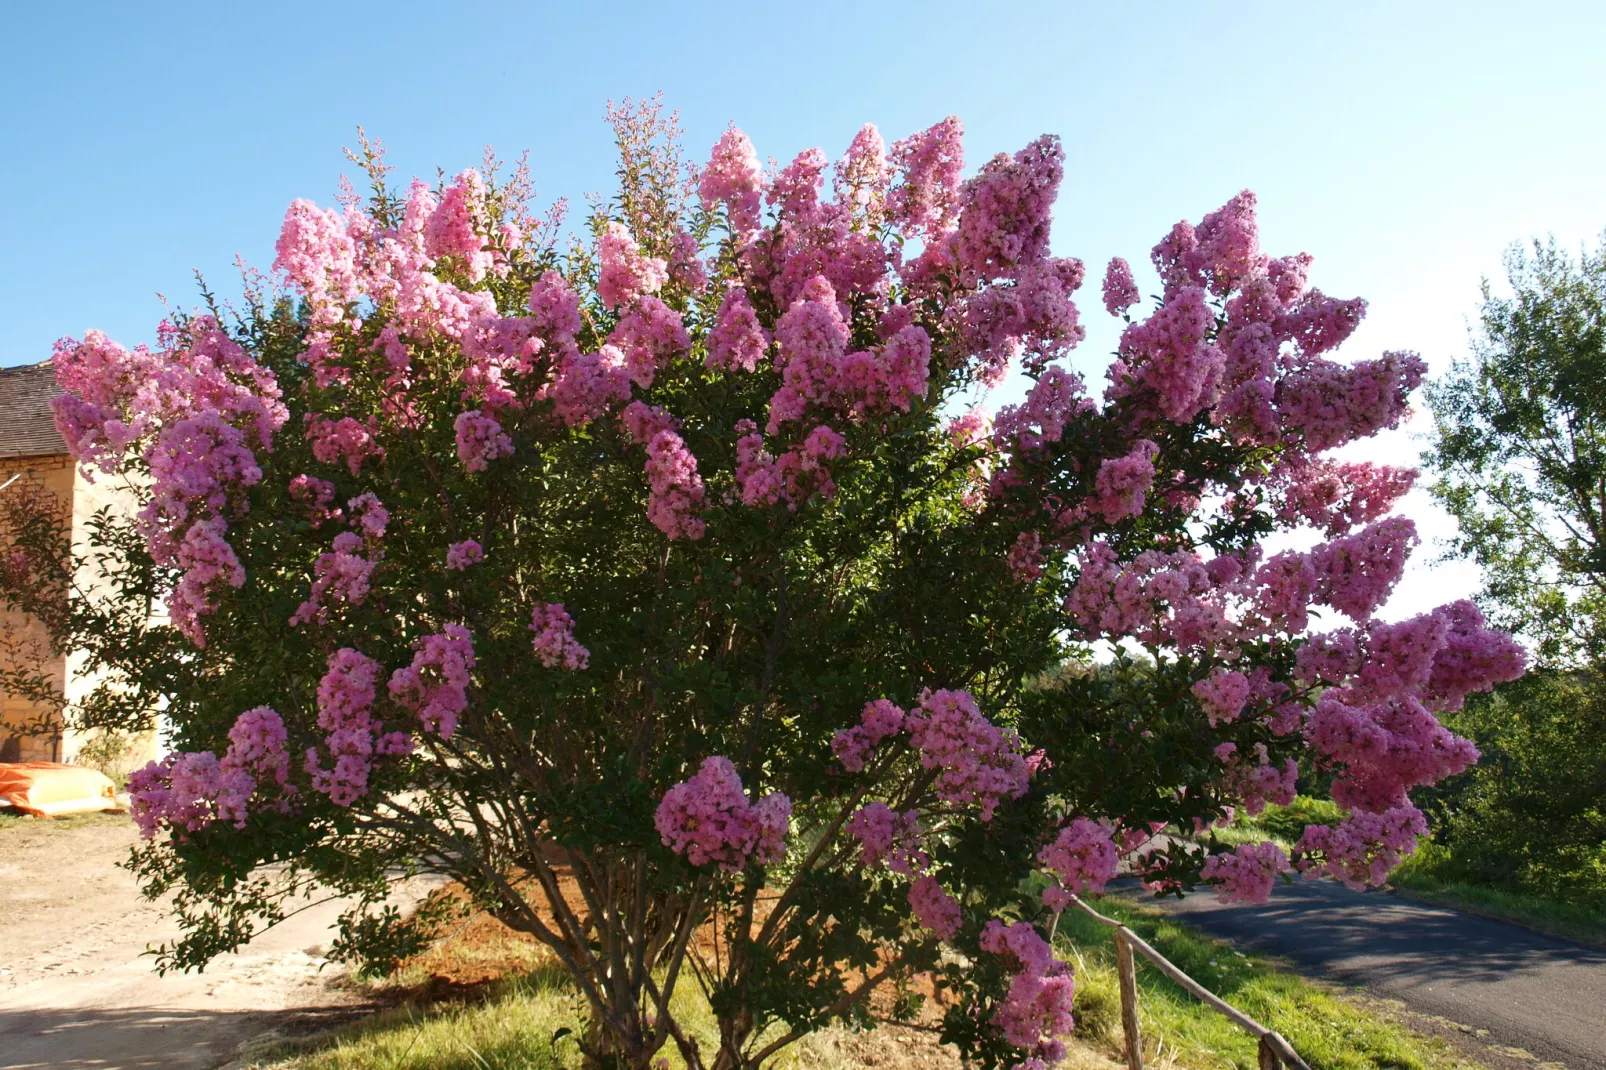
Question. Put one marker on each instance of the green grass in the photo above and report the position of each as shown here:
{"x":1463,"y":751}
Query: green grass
{"x":1329,"y":1032}
{"x":1428,"y":876}
{"x":518,"y":1027}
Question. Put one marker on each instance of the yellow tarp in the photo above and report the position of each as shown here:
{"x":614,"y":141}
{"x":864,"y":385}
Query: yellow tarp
{"x":46,"y":789}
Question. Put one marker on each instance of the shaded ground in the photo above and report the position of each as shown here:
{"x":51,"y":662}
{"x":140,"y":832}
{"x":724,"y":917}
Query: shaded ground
{"x":77,"y":990}
{"x":1538,"y":997}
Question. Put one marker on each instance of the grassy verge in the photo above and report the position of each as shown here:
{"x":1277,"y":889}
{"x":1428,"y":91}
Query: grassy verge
{"x":1330,"y":1032}
{"x":1428,"y":876}
{"x":525,"y":1019}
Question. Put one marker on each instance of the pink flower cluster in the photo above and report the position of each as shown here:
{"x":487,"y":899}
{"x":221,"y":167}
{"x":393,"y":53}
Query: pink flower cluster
{"x":795,"y":476}
{"x":480,"y":440}
{"x":316,"y":496}
{"x":1036,"y":1012}
{"x":1223,"y":696}
{"x":1363,"y":848}
{"x":817,"y":368}
{"x":1338,"y":496}
{"x":676,"y":488}
{"x":460,"y":555}
{"x":1247,"y":874}
{"x":435,"y":686}
{"x":885,"y":835}
{"x":1007,"y":208}
{"x":454,"y":228}
{"x":1050,"y":403}
{"x":346,"y":439}
{"x":708,"y":819}
{"x":185,"y":792}
{"x":980,"y":763}
{"x":554,"y":641}
{"x":1123,"y":482}
{"x":934,"y":908}
{"x":342,"y":576}
{"x":1082,"y":858}
{"x":737,"y":339}
{"x":1120,"y":291}
{"x":879,"y":720}
{"x":353,"y":734}
{"x":1025,"y":557}
{"x":200,"y":405}
{"x":1170,"y":357}
{"x":926,"y":198}
{"x":626,"y":273}
{"x":735,"y":179}
{"x":648,"y":334}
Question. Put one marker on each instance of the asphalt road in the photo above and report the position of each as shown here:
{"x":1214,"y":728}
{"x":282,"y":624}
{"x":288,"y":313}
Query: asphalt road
{"x":1533,"y":992}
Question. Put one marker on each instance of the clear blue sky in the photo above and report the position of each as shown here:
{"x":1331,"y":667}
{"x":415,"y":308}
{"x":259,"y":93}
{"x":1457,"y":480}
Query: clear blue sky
{"x":1403,"y":144}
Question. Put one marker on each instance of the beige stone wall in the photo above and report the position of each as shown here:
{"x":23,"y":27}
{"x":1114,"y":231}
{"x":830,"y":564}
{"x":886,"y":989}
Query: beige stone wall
{"x":23,"y":640}
{"x":116,"y":757}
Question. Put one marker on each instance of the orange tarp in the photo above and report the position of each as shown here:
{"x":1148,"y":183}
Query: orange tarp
{"x":45,"y":789}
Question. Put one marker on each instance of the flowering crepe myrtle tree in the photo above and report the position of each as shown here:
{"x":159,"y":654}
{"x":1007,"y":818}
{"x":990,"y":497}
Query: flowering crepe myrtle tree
{"x":663,"y":586}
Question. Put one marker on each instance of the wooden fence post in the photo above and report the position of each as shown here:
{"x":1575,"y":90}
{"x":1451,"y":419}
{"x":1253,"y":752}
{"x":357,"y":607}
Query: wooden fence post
{"x":1268,"y":1055}
{"x":1127,"y":970}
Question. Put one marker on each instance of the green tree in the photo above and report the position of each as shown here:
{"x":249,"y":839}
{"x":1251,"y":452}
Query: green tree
{"x":1520,"y":450}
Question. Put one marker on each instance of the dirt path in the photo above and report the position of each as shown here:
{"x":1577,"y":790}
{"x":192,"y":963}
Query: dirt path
{"x":77,"y":990}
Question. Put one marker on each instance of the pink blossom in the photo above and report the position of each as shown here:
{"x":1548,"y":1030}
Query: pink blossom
{"x":1053,"y":399}
{"x":925,"y":199}
{"x":554,"y":641}
{"x":1005,"y":219}
{"x":643,"y":421}
{"x":734,"y":178}
{"x":1037,"y":1009}
{"x":863,"y":174}
{"x":1223,"y":696}
{"x":452,"y":229}
{"x":1356,"y":573}
{"x":1329,"y":404}
{"x":1473,"y":658}
{"x":1082,"y":858}
{"x":979,"y":762}
{"x":1337,"y":496}
{"x":879,"y":720}
{"x":435,"y":685}
{"x":708,"y":819}
{"x":369,"y":515}
{"x":342,"y":576}
{"x":626,"y":274}
{"x":934,"y":908}
{"x":648,"y":334}
{"x":345,"y":703}
{"x":1123,"y":482}
{"x":736,"y":340}
{"x":1248,"y":874}
{"x":206,"y":558}
{"x":555,"y":308}
{"x":317,"y":255}
{"x":1170,"y":355}
{"x":796,"y":190}
{"x":676,"y":488}
{"x":346,"y":439}
{"x":460,"y":555}
{"x":1363,"y":848}
{"x":315,"y":496}
{"x":480,"y":440}
{"x":1382,"y":749}
{"x":1120,"y":291}
{"x":588,"y":384}
{"x":970,"y":428}
{"x":885,"y":835}
{"x":1025,"y":557}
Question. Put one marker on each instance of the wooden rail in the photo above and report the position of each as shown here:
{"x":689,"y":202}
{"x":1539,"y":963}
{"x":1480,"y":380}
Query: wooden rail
{"x":1275,"y":1052}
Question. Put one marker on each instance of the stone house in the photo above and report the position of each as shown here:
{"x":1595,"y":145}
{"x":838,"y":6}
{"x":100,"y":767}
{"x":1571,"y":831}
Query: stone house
{"x":33,"y":458}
